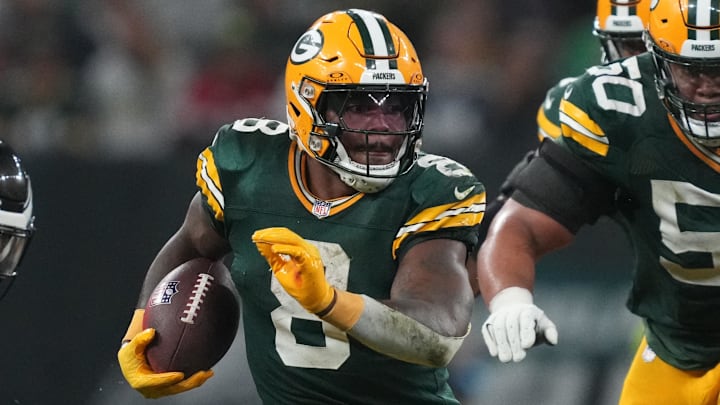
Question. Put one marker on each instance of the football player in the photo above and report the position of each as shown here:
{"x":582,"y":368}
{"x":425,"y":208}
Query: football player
{"x":619,"y":26}
{"x":648,"y":128}
{"x":364,"y":233}
{"x":17,"y":223}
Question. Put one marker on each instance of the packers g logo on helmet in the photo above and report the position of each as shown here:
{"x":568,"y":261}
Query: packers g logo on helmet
{"x":307,"y":47}
{"x":346,"y":54}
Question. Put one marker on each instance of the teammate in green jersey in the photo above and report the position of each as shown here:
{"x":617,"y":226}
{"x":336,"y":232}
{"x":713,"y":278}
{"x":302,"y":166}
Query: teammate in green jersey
{"x":366,"y":236}
{"x":646,"y":128}
{"x":619,"y":26}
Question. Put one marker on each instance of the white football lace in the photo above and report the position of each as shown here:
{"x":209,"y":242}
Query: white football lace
{"x":202,"y":285}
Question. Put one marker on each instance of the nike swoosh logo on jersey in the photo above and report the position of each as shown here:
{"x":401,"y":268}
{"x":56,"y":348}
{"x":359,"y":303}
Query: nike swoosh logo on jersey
{"x":460,"y":195}
{"x":568,"y":91}
{"x":548,"y":102}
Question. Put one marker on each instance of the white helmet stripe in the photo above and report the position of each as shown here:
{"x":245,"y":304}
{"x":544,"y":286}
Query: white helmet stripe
{"x":377,"y":36}
{"x":701,"y":16}
{"x":702,"y":12}
{"x":622,"y":11}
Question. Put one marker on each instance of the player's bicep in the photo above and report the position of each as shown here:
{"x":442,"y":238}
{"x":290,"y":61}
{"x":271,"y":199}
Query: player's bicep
{"x":561,"y":186}
{"x":432,"y":287}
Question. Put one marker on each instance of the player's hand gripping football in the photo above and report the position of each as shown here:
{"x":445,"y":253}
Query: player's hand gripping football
{"x":514,"y":325}
{"x":297,"y":265}
{"x":142,"y":378}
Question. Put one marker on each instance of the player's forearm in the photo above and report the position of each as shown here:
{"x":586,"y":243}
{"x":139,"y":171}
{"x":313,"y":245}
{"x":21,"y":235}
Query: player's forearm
{"x":389,"y":331}
{"x":500,"y":268}
{"x":518,"y":238}
{"x":506,"y":259}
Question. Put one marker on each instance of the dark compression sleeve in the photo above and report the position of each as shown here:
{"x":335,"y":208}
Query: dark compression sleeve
{"x":506,"y":190}
{"x":560,"y":185}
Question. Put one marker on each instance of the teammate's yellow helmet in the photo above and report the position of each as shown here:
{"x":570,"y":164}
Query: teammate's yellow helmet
{"x":684,"y":38}
{"x":620,"y":24}
{"x":347,"y":54}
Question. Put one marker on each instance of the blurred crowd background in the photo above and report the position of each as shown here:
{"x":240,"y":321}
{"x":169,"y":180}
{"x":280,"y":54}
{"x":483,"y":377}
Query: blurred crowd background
{"x":136,"y":80}
{"x":108,"y":103}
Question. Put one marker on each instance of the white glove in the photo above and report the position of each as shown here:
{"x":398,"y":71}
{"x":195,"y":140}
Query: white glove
{"x":514,"y":323}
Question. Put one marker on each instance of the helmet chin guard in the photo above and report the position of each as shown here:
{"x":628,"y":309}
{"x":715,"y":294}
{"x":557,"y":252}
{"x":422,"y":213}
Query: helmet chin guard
{"x":357,"y":175}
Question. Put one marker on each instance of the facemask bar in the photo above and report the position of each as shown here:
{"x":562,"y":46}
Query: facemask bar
{"x":408,"y":100}
{"x":619,"y":45}
{"x":693,"y":118}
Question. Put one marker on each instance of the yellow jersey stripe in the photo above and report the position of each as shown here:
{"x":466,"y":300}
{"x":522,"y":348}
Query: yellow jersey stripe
{"x":576,"y":124}
{"x":208,"y":180}
{"x":468,"y":212}
{"x":546,"y":128}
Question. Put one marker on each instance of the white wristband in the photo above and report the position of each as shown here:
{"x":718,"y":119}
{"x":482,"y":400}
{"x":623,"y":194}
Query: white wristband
{"x":510,"y":296}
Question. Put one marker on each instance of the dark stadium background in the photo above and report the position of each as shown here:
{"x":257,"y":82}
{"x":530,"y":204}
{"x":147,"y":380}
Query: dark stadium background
{"x":110,"y":186}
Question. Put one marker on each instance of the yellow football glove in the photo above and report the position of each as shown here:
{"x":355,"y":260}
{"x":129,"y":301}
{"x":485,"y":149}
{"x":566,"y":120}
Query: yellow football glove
{"x":298,"y":267}
{"x":141,"y":377}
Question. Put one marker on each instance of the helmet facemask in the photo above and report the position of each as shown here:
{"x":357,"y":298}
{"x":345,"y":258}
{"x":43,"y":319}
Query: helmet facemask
{"x":351,"y":120}
{"x":699,"y":121}
{"x":619,"y":45}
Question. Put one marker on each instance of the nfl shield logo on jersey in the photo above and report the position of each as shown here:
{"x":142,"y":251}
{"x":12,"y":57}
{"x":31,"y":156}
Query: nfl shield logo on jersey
{"x":321,"y":209}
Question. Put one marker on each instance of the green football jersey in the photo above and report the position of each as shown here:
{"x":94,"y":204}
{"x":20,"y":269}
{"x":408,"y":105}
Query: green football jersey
{"x":612,"y":118}
{"x":252,"y":177}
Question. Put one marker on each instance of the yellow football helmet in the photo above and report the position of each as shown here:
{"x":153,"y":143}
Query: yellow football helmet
{"x":347,"y":55}
{"x":619,"y":25}
{"x":684,"y":38}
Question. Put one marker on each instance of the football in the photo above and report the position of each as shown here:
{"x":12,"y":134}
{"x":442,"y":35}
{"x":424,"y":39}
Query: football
{"x":195,"y":311}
